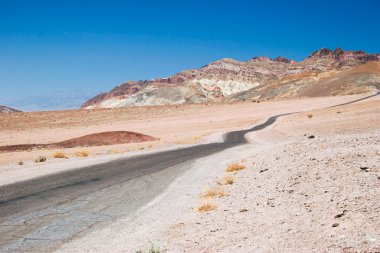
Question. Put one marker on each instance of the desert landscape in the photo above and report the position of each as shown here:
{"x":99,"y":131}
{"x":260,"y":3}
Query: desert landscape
{"x":195,"y":127}
{"x":297,"y":189}
{"x":294,"y":192}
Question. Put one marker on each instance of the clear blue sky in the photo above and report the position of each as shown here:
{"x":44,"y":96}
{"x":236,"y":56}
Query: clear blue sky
{"x":51,"y":46}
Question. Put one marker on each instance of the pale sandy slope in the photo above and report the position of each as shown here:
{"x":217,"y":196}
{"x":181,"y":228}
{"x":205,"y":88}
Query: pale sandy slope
{"x":175,"y":126}
{"x":296,"y":195}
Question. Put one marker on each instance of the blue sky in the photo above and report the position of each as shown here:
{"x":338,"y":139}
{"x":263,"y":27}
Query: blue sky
{"x":48,"y":48}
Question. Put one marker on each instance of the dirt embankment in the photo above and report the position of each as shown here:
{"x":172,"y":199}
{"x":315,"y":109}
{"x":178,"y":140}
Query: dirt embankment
{"x":97,"y":139}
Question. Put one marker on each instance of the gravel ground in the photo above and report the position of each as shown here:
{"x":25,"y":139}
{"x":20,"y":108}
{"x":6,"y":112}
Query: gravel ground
{"x":306,"y":195}
{"x":298,"y":193}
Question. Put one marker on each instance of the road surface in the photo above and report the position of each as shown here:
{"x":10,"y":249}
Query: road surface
{"x":41,"y":213}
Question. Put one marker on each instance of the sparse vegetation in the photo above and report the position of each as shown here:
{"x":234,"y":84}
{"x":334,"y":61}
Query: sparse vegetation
{"x":235,"y":167}
{"x":82,"y":153}
{"x":207,"y":207}
{"x":227,"y":180}
{"x":310,"y":115}
{"x":20,"y":162}
{"x":153,"y":249}
{"x":214,"y":193}
{"x":60,"y":154}
{"x":40,"y":159}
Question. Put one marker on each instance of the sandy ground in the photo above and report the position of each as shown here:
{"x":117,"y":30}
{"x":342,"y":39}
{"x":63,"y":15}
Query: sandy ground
{"x":297,"y":194}
{"x":175,"y":126}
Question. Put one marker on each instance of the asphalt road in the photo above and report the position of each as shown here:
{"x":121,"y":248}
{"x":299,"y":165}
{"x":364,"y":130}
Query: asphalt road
{"x":27,"y":196}
{"x":31,"y":210}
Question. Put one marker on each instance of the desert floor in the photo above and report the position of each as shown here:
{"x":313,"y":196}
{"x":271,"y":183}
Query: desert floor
{"x":296,"y":194}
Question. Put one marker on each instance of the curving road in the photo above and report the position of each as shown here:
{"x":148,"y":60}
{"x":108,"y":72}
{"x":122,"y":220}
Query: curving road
{"x":41,"y":213}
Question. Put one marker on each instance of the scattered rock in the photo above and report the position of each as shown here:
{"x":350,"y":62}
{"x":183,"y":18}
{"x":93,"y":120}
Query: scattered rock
{"x":261,"y":171}
{"x":243,"y":210}
{"x":335,"y":225}
{"x":340,"y":214}
{"x":311,"y":137}
{"x":364,"y":168}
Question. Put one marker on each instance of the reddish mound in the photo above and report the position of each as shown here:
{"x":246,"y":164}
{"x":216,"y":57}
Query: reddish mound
{"x":105,"y":138}
{"x":97,"y":139}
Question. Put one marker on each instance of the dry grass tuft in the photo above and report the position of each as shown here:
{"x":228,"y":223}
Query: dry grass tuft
{"x":310,"y":115}
{"x":83,"y":153}
{"x":20,"y":162}
{"x":40,"y":159}
{"x":217,"y":192}
{"x":207,"y":207}
{"x":235,"y":167}
{"x":227,"y":180}
{"x":60,"y":154}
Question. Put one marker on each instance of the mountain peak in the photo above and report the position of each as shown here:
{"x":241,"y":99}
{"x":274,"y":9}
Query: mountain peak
{"x":321,"y":53}
{"x":5,"y":109}
{"x":261,"y":58}
{"x":283,"y":59}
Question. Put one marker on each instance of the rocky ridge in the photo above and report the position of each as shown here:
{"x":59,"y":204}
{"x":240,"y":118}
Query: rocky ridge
{"x":229,"y":79}
{"x":5,"y":109}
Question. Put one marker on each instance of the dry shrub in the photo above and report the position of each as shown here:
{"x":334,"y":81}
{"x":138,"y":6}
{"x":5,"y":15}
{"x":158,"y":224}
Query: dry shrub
{"x":310,"y":115}
{"x":60,"y":154}
{"x":82,"y":153}
{"x":227,"y":180}
{"x":235,"y":167}
{"x":40,"y":159}
{"x":207,"y":207}
{"x":214,"y":192}
{"x":20,"y":162}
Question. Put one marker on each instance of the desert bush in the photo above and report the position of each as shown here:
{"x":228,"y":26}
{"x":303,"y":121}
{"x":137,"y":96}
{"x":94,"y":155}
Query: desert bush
{"x":310,"y":115}
{"x":154,"y":249}
{"x":235,"y":167}
{"x":20,"y":162}
{"x":40,"y":159}
{"x":82,"y":153}
{"x":206,"y":207}
{"x":227,"y":180}
{"x":214,"y":192}
{"x":59,"y":154}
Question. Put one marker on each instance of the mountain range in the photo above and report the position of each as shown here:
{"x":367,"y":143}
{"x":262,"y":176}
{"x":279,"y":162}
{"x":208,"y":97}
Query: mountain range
{"x":325,"y":72}
{"x":5,"y":109}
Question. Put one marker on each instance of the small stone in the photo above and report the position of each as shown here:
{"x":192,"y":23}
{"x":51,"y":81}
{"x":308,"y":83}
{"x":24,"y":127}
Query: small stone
{"x":335,"y":225}
{"x":365,"y":168}
{"x":243,"y":210}
{"x":311,"y":137}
